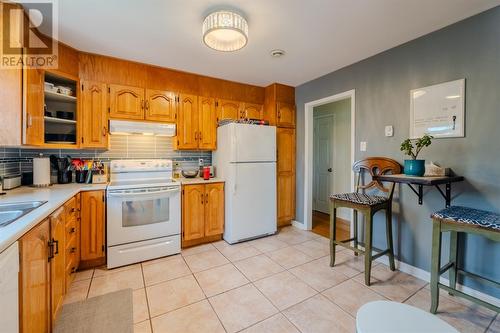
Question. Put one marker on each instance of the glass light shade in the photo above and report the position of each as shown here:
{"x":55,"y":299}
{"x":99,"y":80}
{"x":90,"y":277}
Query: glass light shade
{"x":225,"y":31}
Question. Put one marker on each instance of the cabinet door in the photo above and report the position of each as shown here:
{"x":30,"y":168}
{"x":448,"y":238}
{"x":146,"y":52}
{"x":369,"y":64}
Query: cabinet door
{"x":126,"y":102}
{"x":187,"y":124}
{"x":193,"y":212}
{"x":92,"y":225}
{"x":161,"y":105}
{"x":35,"y":279}
{"x":214,"y":209}
{"x":227,"y":109}
{"x":57,"y":263}
{"x":286,"y":114}
{"x":285,"y":141}
{"x":94,"y":115}
{"x":207,"y":124}
{"x":33,"y":87}
{"x":253,"y":111}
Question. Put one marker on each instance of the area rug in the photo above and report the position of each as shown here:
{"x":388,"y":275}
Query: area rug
{"x":107,"y":313}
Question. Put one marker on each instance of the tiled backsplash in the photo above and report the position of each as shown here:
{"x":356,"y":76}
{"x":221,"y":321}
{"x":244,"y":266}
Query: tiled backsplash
{"x":16,"y":160}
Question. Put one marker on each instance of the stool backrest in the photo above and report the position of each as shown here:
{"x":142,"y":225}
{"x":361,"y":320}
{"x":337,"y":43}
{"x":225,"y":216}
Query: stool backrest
{"x":375,"y":166}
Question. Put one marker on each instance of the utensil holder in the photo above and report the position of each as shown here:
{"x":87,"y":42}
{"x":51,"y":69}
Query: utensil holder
{"x":81,"y":176}
{"x":64,"y":177}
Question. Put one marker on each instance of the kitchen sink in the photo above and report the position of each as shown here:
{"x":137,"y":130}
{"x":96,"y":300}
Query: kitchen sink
{"x":9,"y":212}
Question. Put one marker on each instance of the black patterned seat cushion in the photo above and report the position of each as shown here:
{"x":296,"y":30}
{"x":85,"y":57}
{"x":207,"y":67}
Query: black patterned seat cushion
{"x":475,"y":217}
{"x":360,"y":198}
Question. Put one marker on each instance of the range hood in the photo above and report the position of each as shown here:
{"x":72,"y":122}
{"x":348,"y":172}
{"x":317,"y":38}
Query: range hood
{"x":140,"y":127}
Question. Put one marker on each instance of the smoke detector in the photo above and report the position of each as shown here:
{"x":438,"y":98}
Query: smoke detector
{"x":277,"y":53}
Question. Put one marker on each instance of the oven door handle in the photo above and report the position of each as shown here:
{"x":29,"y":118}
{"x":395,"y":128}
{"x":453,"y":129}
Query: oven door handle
{"x":135,"y":194}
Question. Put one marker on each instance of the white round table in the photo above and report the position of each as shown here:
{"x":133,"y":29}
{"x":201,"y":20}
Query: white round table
{"x":393,"y":317}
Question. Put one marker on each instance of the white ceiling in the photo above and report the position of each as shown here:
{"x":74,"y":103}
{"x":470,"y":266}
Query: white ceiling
{"x":319,"y":36}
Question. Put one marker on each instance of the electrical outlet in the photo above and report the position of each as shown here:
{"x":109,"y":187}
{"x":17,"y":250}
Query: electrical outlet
{"x":362,"y":146}
{"x":389,"y":130}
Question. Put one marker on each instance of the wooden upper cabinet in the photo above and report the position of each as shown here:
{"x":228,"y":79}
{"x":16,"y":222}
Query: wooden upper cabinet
{"x":214,"y":209}
{"x":161,"y":105}
{"x":94,"y":115}
{"x":253,"y":111}
{"x":207,"y":124}
{"x":92,"y":225}
{"x":285,"y":115}
{"x":193,"y":211}
{"x":126,"y":102}
{"x":34,"y":280}
{"x":33,"y":88}
{"x":187,"y":123}
{"x":227,"y":109}
{"x":57,"y":263}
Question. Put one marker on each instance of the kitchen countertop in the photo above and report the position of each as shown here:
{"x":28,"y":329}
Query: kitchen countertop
{"x":55,"y":195}
{"x":199,"y":180}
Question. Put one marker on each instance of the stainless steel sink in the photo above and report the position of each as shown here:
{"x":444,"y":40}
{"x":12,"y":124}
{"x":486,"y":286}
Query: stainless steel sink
{"x":9,"y":212}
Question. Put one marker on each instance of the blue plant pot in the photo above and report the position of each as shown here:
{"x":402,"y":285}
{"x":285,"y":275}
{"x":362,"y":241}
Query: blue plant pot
{"x":414,"y":167}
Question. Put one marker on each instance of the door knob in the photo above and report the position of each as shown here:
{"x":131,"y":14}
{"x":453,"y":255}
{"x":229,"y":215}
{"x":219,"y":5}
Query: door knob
{"x":329,"y":169}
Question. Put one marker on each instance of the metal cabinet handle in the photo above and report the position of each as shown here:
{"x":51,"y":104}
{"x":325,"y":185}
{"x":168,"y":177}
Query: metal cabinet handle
{"x":199,"y":135}
{"x":72,"y":230}
{"x":104,"y":131}
{"x":57,"y":246}
{"x":206,"y":198}
{"x":73,"y":250}
{"x":51,"y":249}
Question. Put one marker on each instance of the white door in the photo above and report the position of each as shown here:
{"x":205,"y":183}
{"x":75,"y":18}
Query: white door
{"x":323,"y":162}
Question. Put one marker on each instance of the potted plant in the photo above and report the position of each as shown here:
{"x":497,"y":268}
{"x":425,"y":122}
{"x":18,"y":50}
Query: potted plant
{"x":412,"y":148}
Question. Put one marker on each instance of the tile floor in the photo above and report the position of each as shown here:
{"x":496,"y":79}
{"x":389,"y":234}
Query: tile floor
{"x":281,"y":283}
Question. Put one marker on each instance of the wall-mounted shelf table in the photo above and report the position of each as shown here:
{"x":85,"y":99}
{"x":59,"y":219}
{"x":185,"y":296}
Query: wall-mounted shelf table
{"x":417,"y":183}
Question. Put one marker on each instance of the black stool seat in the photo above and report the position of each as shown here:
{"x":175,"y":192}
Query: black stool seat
{"x":471,"y":216}
{"x":360,"y":198}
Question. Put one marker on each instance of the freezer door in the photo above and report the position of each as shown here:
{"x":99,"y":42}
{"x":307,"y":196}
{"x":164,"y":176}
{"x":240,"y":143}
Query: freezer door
{"x":250,"y":201}
{"x":253,"y":143}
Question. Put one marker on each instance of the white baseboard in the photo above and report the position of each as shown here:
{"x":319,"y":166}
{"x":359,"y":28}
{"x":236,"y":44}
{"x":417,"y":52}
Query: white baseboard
{"x":299,"y":225}
{"x":426,"y":276}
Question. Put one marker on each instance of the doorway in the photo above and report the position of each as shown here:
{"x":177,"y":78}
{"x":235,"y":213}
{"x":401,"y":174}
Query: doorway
{"x":329,"y":156}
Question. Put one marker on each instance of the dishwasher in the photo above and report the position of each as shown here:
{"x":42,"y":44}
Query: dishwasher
{"x":9,"y":306}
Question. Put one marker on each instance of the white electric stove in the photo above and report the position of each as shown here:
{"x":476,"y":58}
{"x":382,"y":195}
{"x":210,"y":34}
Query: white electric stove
{"x":143,"y":211}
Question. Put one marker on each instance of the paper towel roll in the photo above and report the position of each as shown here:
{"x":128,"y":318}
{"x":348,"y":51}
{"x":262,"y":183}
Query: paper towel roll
{"x":41,"y":171}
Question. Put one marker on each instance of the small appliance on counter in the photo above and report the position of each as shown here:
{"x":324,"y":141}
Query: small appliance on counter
{"x":63,"y":167}
{"x":41,"y":171}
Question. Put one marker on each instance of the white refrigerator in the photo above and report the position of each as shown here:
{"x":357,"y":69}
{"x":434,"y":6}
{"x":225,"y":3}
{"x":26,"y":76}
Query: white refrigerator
{"x":246,"y":159}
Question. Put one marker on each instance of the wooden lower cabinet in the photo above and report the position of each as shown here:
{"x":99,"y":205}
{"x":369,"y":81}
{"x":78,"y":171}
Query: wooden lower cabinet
{"x":92,"y":227}
{"x":34,"y":280}
{"x":57,"y":261}
{"x":202,"y":212}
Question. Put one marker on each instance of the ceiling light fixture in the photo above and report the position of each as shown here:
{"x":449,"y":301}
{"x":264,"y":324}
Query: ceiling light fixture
{"x":225,"y":31}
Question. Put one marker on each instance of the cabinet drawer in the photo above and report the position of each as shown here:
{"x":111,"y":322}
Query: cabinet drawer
{"x":71,"y":247}
{"x":71,"y":228}
{"x":70,"y":209}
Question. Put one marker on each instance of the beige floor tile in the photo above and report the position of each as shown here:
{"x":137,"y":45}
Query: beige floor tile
{"x":314,"y":249}
{"x":397,"y":286}
{"x":276,"y":324}
{"x":289,"y":257}
{"x":141,"y":312}
{"x":77,"y":291}
{"x":197,"y":249}
{"x":326,"y":241}
{"x":318,"y":315}
{"x":318,"y":274}
{"x":161,"y":259}
{"x":351,"y":295}
{"x":195,"y":318}
{"x":464,"y":318}
{"x":234,"y":253}
{"x":119,"y":280}
{"x":164,"y":270}
{"x":242,"y":307}
{"x":173,"y":294}
{"x":144,"y":327}
{"x":103,"y":271}
{"x":294,"y":237}
{"x":205,"y":260}
{"x":495,"y":326}
{"x":267,"y":244}
{"x":84,"y":275}
{"x":222,"y":244}
{"x":284,"y":290}
{"x":258,"y":267}
{"x":220,"y":279}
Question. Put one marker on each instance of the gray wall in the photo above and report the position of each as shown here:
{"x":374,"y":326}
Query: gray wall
{"x":469,"y":49}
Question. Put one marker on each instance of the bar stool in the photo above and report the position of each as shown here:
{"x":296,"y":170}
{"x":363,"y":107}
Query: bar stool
{"x":457,"y":219}
{"x":368,"y":205}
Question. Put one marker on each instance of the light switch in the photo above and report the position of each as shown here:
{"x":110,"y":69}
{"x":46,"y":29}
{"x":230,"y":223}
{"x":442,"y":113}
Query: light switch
{"x":389,"y":130}
{"x":362,"y":146}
